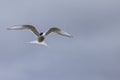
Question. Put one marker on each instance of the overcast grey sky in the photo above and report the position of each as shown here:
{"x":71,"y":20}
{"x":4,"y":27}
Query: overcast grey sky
{"x":92,"y":54}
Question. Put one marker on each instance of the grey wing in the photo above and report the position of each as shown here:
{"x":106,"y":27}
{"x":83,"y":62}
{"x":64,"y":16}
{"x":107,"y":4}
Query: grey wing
{"x":58,"y":31}
{"x":22,"y":27}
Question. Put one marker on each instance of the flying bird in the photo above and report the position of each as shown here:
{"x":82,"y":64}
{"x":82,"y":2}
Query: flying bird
{"x":40,"y":35}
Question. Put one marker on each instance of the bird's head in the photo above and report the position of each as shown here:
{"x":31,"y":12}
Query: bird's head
{"x":41,"y":33}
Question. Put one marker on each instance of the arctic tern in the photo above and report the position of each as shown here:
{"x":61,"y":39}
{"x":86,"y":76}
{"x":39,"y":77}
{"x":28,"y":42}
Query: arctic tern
{"x":40,"y":35}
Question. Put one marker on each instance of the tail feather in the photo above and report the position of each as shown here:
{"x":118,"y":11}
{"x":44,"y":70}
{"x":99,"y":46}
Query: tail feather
{"x":41,"y":43}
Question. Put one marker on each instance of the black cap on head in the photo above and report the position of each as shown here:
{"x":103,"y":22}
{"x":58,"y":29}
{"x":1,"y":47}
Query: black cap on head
{"x":41,"y":33}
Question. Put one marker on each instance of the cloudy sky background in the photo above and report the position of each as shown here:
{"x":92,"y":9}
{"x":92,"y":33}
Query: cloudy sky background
{"x":92,"y":54}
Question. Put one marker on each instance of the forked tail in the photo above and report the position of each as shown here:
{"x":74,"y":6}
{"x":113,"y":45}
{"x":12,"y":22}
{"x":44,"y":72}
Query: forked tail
{"x":41,"y":43}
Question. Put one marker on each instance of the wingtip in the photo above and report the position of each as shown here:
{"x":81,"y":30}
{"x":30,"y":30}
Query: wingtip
{"x":71,"y":36}
{"x":7,"y":28}
{"x":10,"y":28}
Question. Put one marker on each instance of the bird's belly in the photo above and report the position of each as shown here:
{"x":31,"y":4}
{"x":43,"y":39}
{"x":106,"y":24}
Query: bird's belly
{"x":40,"y":39}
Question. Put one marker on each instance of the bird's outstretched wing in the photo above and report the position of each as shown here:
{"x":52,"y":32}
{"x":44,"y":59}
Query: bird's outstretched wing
{"x":58,"y":31}
{"x":22,"y":27}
